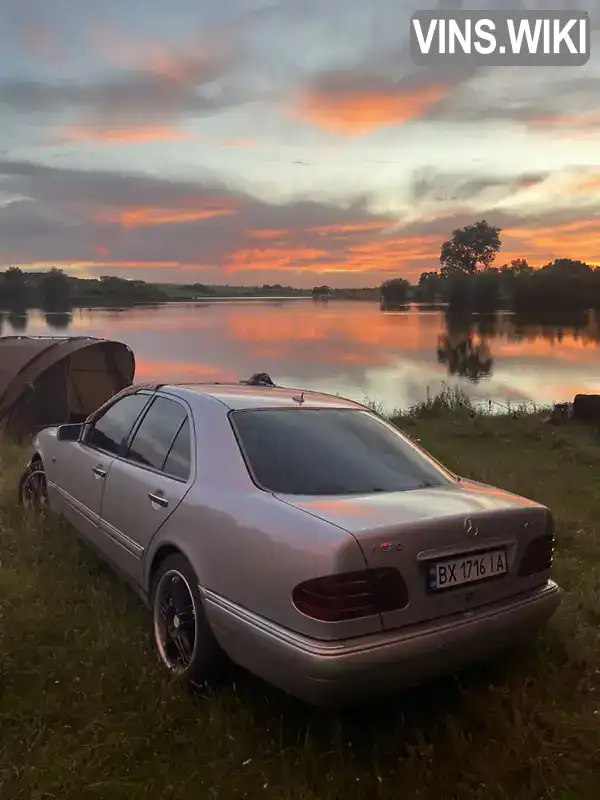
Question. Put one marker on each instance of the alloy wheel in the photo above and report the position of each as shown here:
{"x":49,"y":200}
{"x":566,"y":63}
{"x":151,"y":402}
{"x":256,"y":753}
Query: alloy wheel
{"x":175,"y":621}
{"x":34,"y":491}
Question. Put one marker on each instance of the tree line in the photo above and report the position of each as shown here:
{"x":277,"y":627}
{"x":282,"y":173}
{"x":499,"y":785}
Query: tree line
{"x":55,"y":289}
{"x":360,"y":293}
{"x":467,"y":279}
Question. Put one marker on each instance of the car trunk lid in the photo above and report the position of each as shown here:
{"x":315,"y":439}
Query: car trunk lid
{"x":457,"y":525}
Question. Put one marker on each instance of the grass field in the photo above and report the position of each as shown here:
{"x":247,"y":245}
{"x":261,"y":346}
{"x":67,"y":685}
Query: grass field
{"x":86,"y":713}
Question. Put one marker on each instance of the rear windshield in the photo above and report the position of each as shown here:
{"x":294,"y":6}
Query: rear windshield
{"x":331,"y":452}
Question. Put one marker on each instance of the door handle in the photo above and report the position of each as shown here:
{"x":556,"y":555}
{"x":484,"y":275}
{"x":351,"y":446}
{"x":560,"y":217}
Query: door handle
{"x":159,"y":499}
{"x":101,"y":473}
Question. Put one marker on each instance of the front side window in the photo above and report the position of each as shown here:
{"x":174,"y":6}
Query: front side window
{"x":331,"y":452}
{"x":112,"y":429}
{"x":153,"y":439}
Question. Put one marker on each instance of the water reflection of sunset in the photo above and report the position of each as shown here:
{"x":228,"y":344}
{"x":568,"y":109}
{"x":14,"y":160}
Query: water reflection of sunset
{"x":351,"y":348}
{"x":365,"y":325}
{"x":149,"y":370}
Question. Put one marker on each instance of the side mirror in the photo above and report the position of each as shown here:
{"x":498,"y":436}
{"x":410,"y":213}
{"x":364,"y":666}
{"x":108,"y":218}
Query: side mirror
{"x":69,"y":433}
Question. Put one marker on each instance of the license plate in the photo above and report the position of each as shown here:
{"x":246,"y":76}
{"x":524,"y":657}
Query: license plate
{"x":467,"y":569}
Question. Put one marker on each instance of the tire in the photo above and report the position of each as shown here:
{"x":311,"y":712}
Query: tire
{"x":184,"y":641}
{"x":33,"y":491}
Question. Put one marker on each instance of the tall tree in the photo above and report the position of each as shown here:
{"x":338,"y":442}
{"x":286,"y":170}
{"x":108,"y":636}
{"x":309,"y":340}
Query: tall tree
{"x":569,"y":268}
{"x":55,"y":289}
{"x":429,"y":287}
{"x":470,"y":247}
{"x":13,"y":286}
{"x":395,"y":291}
{"x":520,"y":266}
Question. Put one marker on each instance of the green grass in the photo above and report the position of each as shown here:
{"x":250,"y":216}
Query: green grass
{"x":86,"y":713}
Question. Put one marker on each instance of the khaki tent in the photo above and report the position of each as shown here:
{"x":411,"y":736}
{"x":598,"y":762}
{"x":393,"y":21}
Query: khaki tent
{"x":46,"y":380}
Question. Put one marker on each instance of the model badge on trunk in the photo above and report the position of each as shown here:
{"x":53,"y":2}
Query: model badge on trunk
{"x":387,"y":547}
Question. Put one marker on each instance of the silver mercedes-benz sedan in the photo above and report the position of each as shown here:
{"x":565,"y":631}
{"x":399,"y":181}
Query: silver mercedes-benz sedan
{"x":298,"y":533}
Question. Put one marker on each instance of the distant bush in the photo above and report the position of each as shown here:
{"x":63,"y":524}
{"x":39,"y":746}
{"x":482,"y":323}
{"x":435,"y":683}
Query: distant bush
{"x":449,"y":401}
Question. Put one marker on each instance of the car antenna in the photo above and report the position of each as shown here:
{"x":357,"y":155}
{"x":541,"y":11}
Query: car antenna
{"x":299,"y":399}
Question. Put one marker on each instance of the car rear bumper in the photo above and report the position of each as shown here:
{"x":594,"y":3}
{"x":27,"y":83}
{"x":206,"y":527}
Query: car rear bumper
{"x":330,"y":673}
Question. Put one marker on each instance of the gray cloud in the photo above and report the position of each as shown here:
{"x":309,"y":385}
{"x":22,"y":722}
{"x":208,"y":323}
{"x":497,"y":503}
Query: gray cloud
{"x":431,"y":185}
{"x":66,"y":216}
{"x":199,"y":86}
{"x":520,"y":99}
{"x":98,"y":188}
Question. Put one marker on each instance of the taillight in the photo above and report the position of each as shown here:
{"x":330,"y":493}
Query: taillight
{"x":538,"y":555}
{"x":350,"y":595}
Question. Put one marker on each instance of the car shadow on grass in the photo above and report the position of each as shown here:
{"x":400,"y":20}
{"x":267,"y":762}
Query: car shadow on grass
{"x":363,"y":720}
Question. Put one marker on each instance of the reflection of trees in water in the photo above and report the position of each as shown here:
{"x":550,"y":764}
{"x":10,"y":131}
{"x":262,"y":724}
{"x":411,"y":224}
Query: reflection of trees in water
{"x":58,"y":320}
{"x":18,"y":320}
{"x":15,"y":311}
{"x":56,"y":307}
{"x":463,"y":346}
{"x":582,"y":327}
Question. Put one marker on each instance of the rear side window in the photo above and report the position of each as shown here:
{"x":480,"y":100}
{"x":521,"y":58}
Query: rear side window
{"x":179,"y":460}
{"x":114,"y":426}
{"x":331,"y":452}
{"x":153,"y":439}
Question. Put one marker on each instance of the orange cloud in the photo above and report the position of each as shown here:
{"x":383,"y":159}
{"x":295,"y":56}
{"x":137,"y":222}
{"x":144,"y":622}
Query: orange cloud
{"x":277,"y":258}
{"x":166,"y":64}
{"x":579,"y":239}
{"x":567,"y":125}
{"x":569,"y":120}
{"x":589,"y":184}
{"x":179,"y":65}
{"x":334,"y":231}
{"x":389,"y":254}
{"x":356,"y":227}
{"x":266,"y":233}
{"x":138,"y":134}
{"x":112,"y":264}
{"x":147,"y":217}
{"x":403,"y":253}
{"x":360,"y":112}
{"x":365,"y":260}
{"x":135,"y":135}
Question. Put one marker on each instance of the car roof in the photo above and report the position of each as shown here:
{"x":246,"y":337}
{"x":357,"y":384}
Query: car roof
{"x":239,"y":396}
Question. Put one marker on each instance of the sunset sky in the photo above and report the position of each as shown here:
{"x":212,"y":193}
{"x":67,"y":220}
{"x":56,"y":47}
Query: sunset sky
{"x":290,"y":141}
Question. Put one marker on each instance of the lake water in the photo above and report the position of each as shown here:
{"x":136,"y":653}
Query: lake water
{"x":350,"y":348}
